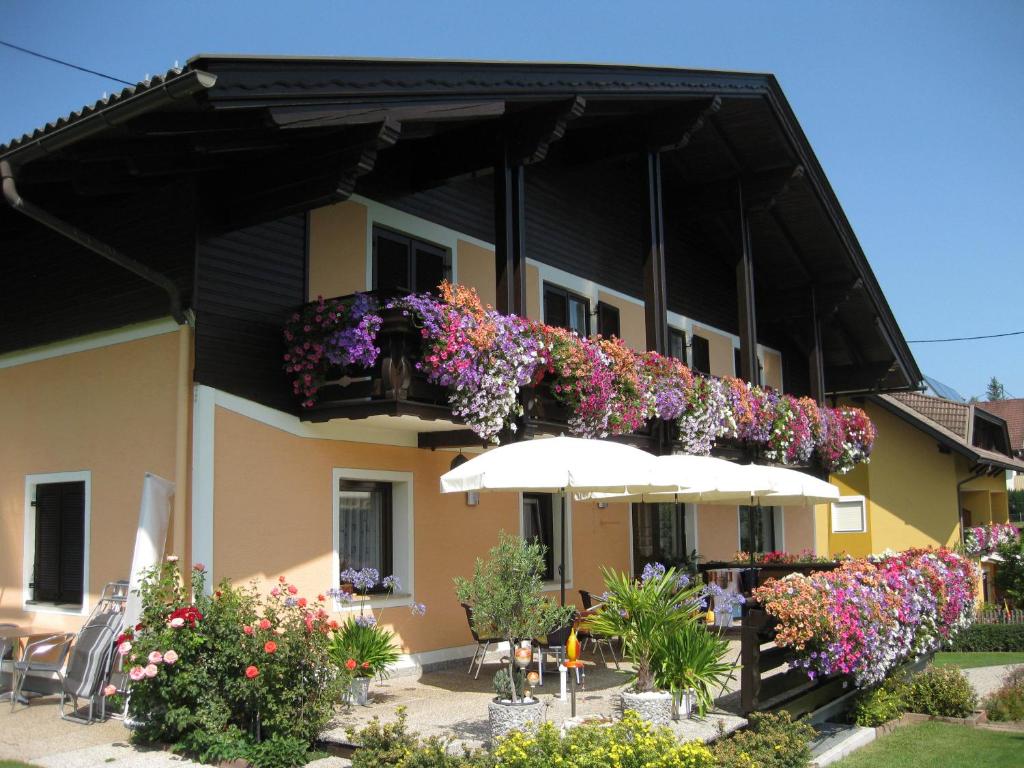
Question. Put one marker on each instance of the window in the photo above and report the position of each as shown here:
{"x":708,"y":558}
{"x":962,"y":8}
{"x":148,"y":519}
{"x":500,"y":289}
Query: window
{"x":660,"y":535}
{"x":701,"y":355}
{"x":848,"y":515}
{"x":607,"y":320}
{"x":542,"y":516}
{"x":565,"y":309}
{"x":404,"y":264}
{"x":677,"y":344}
{"x":56,"y":540}
{"x":759,"y":537}
{"x":373,"y":524}
{"x":737,"y":362}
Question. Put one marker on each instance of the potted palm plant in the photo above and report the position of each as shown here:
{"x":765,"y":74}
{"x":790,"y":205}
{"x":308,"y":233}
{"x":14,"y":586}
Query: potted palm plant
{"x":505,"y":592}
{"x":690,"y":664}
{"x":644,"y":612}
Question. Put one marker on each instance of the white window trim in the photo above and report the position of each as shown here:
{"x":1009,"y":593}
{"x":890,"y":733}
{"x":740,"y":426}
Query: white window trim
{"x":556,"y":505}
{"x":403,"y":552}
{"x":848,"y":500}
{"x":29,"y":546}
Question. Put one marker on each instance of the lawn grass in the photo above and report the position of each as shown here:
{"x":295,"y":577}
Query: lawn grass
{"x":14,"y":764}
{"x":986,"y":659}
{"x":939,"y":745}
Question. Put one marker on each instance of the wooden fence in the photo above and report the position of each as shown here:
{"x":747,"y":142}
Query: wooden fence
{"x":999,"y":616}
{"x":791,"y":690}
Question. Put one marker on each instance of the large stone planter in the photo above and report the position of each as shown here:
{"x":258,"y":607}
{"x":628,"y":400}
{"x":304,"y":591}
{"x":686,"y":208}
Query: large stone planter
{"x":506,"y":716}
{"x":655,"y":707}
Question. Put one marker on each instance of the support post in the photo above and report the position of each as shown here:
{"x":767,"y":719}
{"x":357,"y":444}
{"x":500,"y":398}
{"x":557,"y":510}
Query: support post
{"x":815,"y":360}
{"x":750,"y":368}
{"x":509,"y":232}
{"x":655,"y":291}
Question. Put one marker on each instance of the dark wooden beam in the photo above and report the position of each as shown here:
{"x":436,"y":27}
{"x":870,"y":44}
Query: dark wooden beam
{"x":655,"y":291}
{"x":457,"y":438}
{"x":535,"y":131}
{"x":750,"y":368}
{"x":509,"y":231}
{"x":663,"y":130}
{"x":761,"y":191}
{"x":815,"y":360}
{"x":845,"y":379}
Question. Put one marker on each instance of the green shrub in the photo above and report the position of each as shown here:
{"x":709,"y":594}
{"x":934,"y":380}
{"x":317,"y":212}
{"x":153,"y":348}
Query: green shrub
{"x":1007,"y":703}
{"x":989,"y":637}
{"x":692,"y":657}
{"x":875,"y":706}
{"x":773,"y":740}
{"x":219,"y":675}
{"x":941,"y":691}
{"x":393,"y":745}
{"x":501,"y":684}
{"x":365,"y":647}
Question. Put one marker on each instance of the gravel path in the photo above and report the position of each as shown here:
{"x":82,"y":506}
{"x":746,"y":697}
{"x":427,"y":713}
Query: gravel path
{"x":987,"y":679}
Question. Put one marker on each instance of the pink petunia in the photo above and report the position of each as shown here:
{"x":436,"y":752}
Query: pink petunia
{"x":155,"y":657}
{"x":150,"y":670}
{"x":136,"y":673}
{"x":170,"y":657}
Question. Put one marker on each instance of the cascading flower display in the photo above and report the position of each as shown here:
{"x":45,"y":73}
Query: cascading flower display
{"x":484,"y":358}
{"x":868,"y":616}
{"x":983,"y":540}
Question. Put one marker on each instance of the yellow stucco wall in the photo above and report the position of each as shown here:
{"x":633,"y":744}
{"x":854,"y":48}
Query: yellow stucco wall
{"x":272,"y":486}
{"x":719,"y":350}
{"x":773,"y":369}
{"x":476,"y":269}
{"x":110,"y":411}
{"x":632,"y":322}
{"x":337,"y":250}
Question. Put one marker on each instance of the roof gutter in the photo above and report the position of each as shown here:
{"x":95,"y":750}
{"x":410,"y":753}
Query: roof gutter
{"x":76,"y":235}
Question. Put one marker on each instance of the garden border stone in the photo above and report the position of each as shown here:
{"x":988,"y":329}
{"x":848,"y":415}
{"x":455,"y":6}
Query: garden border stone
{"x":655,"y":706}
{"x":507,"y":717}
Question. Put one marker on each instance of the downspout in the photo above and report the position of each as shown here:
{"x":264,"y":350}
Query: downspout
{"x":182,"y":445}
{"x":977,"y":472}
{"x":84,"y":239}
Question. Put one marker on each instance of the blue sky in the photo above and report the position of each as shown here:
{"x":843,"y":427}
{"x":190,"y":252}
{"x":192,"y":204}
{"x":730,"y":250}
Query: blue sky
{"x":915,"y":109}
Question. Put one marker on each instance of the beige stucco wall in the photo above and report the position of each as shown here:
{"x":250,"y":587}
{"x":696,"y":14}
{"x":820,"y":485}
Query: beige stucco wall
{"x":476,"y":269}
{"x":337,"y":250}
{"x":717,"y":531}
{"x":533,"y":300}
{"x":798,"y":524}
{"x":110,"y":411}
{"x":632,"y":322}
{"x":273,"y":515}
{"x":773,"y":369}
{"x":719,"y":350}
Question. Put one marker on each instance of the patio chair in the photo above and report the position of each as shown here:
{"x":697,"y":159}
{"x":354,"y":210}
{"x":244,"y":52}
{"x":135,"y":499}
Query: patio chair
{"x":554,"y":643}
{"x":89,"y":667}
{"x":482,"y":644}
{"x":6,"y":648}
{"x":47,"y":655}
{"x":600,"y":642}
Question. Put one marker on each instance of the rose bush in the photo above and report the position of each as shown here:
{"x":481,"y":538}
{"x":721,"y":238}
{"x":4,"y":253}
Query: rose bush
{"x":218,"y":674}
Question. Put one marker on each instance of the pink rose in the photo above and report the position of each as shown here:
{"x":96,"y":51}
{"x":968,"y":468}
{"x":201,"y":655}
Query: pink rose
{"x":137,"y":673}
{"x":172,"y":558}
{"x":264,"y":624}
{"x":110,"y":690}
{"x":170,"y":657}
{"x":177,"y":622}
{"x":198,"y":567}
{"x":292,"y":589}
{"x":150,"y":670}
{"x":275,"y":592}
{"x":156,"y":657}
{"x":247,"y":629}
{"x":124,"y":648}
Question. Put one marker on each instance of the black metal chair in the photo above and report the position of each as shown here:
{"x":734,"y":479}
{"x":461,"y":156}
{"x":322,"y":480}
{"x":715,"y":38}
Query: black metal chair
{"x":483,"y":644}
{"x":600,"y":642}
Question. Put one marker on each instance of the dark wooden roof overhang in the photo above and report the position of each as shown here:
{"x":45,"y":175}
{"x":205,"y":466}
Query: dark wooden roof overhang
{"x":260,"y":137}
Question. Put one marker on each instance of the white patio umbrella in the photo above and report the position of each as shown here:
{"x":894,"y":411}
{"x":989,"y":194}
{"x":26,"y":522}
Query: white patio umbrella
{"x":556,"y":465}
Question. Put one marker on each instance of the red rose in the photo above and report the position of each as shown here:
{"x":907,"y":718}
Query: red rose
{"x":270,"y":646}
{"x":138,"y":627}
{"x":350,"y":664}
{"x":281,"y":579}
{"x":320,"y":598}
{"x":366,"y":665}
{"x":264,"y":623}
{"x":251,"y":671}
{"x":247,"y":629}
{"x":302,"y":602}
{"x":292,"y":589}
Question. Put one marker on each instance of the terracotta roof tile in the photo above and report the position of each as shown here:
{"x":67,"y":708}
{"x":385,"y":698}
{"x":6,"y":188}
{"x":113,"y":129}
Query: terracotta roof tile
{"x":950,"y":414}
{"x":1011,"y":411}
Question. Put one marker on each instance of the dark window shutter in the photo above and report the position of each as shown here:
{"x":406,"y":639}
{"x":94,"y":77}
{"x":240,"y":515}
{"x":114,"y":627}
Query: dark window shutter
{"x":392,"y":263}
{"x":431,"y":267}
{"x":60,"y":542}
{"x":737,"y":361}
{"x":701,"y":355}
{"x":556,"y":308}
{"x":607,"y":320}
{"x":677,"y":345}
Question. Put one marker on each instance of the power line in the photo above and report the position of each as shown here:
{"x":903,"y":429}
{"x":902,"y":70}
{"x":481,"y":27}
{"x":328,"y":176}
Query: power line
{"x":65,"y":63}
{"x":966,"y":338}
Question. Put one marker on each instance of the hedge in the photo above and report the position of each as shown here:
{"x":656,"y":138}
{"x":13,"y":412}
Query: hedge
{"x":990,"y":637}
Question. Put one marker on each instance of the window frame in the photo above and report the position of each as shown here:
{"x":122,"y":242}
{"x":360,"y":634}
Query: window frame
{"x":568,"y":295}
{"x":29,"y":542}
{"x":775,"y":514}
{"x":402,"y":528}
{"x":679,"y":333}
{"x":705,"y":346}
{"x":605,"y":312}
{"x":848,"y":500}
{"x":412,"y":243}
{"x":556,"y":507}
{"x":688,"y":522}
{"x":387,"y":524}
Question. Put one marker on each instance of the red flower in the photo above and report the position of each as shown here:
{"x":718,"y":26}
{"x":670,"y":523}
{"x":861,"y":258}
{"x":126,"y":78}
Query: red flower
{"x":217,"y":593}
{"x":251,"y":671}
{"x":264,"y":623}
{"x":350,"y":664}
{"x":247,"y":629}
{"x":292,"y":589}
{"x":270,"y":646}
{"x":281,"y":579}
{"x":302,"y":602}
{"x":320,"y":598}
{"x":189,"y":615}
{"x":334,"y":624}
{"x":366,"y":665}
{"x":138,"y":626}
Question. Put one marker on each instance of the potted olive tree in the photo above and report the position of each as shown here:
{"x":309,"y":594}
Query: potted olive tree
{"x":644,"y":612}
{"x":505,"y":593}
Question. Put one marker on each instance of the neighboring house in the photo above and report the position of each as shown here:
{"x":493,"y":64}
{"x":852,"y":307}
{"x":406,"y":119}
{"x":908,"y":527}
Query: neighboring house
{"x":1012,"y":411}
{"x":938,"y":466}
{"x":682,"y":210}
